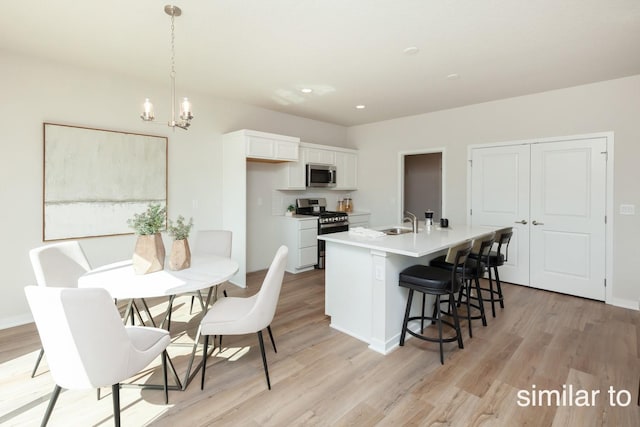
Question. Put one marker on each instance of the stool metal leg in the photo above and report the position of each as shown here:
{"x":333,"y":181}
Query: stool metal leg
{"x":500,"y":297}
{"x":439,"y":321}
{"x":406,"y":317}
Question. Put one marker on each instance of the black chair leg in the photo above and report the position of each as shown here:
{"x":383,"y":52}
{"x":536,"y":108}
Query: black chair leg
{"x":204,"y":359}
{"x":406,"y":317}
{"x":424,"y":299}
{"x":272,"y":341}
{"x":164,"y":377}
{"x":480,"y":302}
{"x":35,"y":368}
{"x":115,"y":392}
{"x":456,"y":322}
{"x":264,"y":359}
{"x":499,"y":286}
{"x":467,"y":287}
{"x":491,"y":293}
{"x":52,"y":403}
{"x":438,"y":316}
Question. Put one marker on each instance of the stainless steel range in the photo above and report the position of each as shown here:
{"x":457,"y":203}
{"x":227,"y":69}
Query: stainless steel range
{"x":328,"y":221}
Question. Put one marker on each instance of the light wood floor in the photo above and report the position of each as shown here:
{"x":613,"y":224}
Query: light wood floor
{"x":322,"y":377}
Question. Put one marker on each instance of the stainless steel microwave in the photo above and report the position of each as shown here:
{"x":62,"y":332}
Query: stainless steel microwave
{"x":319,"y":175}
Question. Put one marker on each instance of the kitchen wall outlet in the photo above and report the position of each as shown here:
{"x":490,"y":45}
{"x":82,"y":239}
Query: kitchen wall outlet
{"x":194,"y":203}
{"x":627,"y":209}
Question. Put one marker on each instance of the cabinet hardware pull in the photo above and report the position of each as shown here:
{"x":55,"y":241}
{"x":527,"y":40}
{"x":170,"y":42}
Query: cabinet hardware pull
{"x":521,"y":222}
{"x":537,"y":223}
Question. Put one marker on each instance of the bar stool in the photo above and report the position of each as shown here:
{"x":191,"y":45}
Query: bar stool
{"x":438,"y":282}
{"x":494,"y":260}
{"x":473,"y":270}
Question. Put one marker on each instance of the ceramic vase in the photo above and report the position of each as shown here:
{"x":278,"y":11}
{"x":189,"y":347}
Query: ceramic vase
{"x":180,"y":257}
{"x":149,"y":253}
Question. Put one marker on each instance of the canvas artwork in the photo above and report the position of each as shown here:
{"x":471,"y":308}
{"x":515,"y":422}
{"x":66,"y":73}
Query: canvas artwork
{"x":94,"y":180}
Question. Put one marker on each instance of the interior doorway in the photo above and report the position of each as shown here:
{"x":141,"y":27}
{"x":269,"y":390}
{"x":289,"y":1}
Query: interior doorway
{"x":423,"y":183}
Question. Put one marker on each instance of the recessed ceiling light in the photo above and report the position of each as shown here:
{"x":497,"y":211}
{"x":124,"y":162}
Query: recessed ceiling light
{"x":411,"y":50}
{"x":306,"y":90}
{"x":453,"y":76}
{"x":361,"y":107}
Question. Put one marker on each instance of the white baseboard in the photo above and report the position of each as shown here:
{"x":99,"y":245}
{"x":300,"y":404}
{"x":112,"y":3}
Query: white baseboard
{"x":624,"y":303}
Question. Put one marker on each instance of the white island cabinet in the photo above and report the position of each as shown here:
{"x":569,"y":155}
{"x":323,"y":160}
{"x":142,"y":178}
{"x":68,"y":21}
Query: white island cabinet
{"x":362,"y":295}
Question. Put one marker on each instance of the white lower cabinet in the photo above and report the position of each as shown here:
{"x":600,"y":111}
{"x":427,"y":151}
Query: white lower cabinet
{"x":359,"y":219}
{"x":301,"y":237}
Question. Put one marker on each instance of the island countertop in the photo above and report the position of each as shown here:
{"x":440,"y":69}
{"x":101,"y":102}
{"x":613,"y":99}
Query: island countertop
{"x":424,"y":242}
{"x":362,"y":295}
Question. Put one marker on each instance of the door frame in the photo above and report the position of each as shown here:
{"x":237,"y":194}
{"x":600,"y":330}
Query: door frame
{"x":609,"y":208}
{"x":401,"y":158}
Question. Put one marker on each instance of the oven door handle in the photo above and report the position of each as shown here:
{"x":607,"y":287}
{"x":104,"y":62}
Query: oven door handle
{"x":333,"y":225}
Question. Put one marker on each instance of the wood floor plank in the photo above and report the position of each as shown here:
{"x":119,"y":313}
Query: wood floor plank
{"x":321,"y":377}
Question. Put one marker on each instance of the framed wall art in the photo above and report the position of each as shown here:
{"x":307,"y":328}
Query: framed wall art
{"x":95,"y":180}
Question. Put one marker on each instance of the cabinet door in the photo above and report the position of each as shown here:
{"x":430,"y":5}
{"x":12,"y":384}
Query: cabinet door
{"x":271,"y":149}
{"x":347,"y":170}
{"x":285,"y":150}
{"x":307,"y":257}
{"x":261,"y":148}
{"x":326,"y":157}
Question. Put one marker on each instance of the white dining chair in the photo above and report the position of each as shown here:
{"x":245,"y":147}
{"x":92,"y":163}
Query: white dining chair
{"x":58,"y":265}
{"x":239,"y":316}
{"x":210,"y":242}
{"x":87,"y":344}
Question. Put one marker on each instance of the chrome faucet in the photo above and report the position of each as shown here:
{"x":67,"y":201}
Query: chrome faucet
{"x":408,"y":216}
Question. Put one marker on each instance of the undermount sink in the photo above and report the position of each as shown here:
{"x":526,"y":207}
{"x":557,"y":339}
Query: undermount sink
{"x":396,"y":230}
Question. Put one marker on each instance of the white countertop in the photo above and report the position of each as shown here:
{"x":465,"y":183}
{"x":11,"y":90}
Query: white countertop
{"x":419,"y":244}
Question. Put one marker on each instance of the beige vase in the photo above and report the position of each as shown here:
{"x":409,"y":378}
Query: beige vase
{"x":180,"y":257}
{"x":148,"y":255}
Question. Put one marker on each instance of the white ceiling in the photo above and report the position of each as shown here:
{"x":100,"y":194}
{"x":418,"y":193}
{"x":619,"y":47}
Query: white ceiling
{"x":350,"y":52}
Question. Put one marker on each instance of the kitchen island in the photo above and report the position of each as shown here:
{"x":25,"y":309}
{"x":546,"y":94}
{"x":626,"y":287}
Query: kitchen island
{"x":362,"y":295}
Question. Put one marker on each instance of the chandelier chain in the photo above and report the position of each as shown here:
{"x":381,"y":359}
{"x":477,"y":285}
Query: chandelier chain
{"x":173,"y":48}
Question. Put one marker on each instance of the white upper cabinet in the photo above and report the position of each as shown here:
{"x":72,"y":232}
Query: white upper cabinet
{"x":293,"y":174}
{"x":347,"y":171}
{"x":315,"y":155}
{"x":271,"y":147}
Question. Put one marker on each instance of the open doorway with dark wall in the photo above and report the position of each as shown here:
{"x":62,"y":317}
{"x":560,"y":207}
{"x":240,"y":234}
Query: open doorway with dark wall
{"x":423,"y":183}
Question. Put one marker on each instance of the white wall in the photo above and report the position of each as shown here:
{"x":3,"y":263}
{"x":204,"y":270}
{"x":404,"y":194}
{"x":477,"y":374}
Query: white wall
{"x":34,"y":92}
{"x":606,"y":106}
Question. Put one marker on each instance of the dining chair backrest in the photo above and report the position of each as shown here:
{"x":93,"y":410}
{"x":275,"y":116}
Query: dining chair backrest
{"x":213,"y":242}
{"x":82,"y":334}
{"x":59,"y":264}
{"x":266,"y":302}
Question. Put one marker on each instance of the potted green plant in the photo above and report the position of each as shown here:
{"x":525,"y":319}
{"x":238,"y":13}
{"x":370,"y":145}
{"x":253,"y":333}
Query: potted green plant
{"x":149,"y":253}
{"x":290,"y":210}
{"x":180,"y":257}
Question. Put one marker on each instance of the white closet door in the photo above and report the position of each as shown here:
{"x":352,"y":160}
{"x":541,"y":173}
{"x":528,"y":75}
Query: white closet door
{"x":568,"y":182}
{"x":500,"y":198}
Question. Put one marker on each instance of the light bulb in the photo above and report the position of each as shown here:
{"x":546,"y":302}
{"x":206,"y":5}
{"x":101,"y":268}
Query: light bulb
{"x":147,"y":110}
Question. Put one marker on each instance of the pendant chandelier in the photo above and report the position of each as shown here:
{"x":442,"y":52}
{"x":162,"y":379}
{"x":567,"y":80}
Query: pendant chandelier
{"x":185,"y":106}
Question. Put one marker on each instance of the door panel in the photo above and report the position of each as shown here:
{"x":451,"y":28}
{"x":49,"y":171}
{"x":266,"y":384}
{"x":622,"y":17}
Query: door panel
{"x":500,"y":198}
{"x":568,"y":181}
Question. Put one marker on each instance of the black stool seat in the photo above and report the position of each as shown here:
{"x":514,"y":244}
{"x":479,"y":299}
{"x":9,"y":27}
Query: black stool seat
{"x":494,"y":259}
{"x":471,"y":268}
{"x":443,"y":285}
{"x":425,"y":278}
